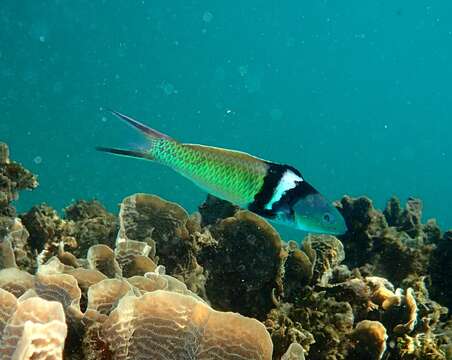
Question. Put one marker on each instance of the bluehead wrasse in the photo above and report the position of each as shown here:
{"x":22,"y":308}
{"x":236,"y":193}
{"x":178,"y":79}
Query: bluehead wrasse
{"x":277,"y":192}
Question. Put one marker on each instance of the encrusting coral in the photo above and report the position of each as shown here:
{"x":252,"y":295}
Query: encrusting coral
{"x":156,"y":282}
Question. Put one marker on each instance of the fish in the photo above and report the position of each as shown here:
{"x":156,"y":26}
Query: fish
{"x":275,"y":191}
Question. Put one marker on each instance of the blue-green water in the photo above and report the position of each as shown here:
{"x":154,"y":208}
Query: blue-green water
{"x":355,"y":94}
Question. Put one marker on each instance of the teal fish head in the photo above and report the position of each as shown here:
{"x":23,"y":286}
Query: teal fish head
{"x":314,"y":213}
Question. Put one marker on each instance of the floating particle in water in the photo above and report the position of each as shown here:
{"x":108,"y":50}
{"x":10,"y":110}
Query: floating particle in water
{"x":103,"y":119}
{"x":39,"y":30}
{"x":168,"y":88}
{"x":229,"y":112}
{"x":37,"y":160}
{"x":207,"y":17}
{"x":243,"y":70}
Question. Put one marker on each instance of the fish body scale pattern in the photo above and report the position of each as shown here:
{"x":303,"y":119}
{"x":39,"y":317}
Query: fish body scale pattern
{"x":230,"y":175}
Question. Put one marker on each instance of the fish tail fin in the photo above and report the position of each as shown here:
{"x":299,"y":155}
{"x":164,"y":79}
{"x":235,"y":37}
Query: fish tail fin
{"x":153,"y":136}
{"x":127,"y":153}
{"x":145,"y":130}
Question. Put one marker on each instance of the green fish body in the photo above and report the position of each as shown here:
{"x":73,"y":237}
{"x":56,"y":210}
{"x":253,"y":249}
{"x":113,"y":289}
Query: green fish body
{"x":227,"y":174}
{"x":275,"y":191}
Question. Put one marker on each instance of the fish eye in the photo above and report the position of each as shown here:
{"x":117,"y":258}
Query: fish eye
{"x":327,"y":218}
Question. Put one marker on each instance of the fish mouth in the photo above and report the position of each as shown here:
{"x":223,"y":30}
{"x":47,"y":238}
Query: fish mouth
{"x":340,"y":227}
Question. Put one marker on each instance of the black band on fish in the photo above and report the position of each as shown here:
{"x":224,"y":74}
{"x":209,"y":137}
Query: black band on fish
{"x":290,"y":197}
{"x":271,"y":181}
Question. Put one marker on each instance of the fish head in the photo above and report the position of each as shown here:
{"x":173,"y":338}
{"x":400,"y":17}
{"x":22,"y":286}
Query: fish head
{"x":314,"y":213}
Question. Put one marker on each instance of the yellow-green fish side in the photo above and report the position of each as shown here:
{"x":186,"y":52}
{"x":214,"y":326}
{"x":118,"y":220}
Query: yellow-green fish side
{"x":231,"y":175}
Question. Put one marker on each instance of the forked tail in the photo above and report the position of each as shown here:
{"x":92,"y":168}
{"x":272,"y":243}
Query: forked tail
{"x":152,"y":135}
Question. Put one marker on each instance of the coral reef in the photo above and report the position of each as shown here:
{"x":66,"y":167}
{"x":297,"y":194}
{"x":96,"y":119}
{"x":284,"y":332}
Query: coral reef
{"x":168,"y":231}
{"x":156,"y":282}
{"x":373,"y":335}
{"x":31,"y":328}
{"x":294,"y":352}
{"x":393,"y":244}
{"x":149,"y":323}
{"x":440,"y":269}
{"x":92,"y":224}
{"x":243,"y":283}
{"x":214,"y":209}
{"x":13,"y":178}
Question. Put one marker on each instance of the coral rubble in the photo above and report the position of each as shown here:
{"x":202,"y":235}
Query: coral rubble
{"x":156,"y":282}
